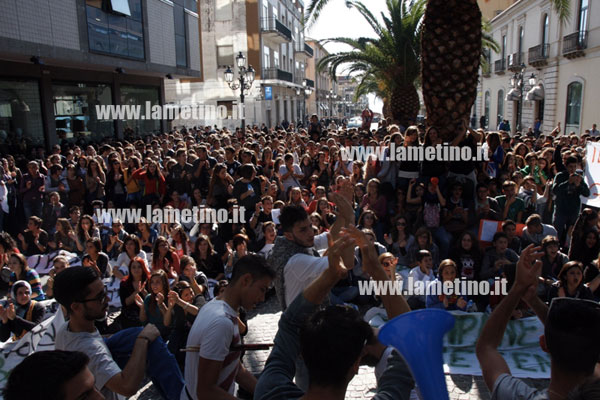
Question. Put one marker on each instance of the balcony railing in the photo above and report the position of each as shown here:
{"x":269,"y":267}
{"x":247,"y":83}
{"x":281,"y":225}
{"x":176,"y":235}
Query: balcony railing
{"x":276,"y":73}
{"x":272,"y":24}
{"x":310,"y":83}
{"x":575,"y":43}
{"x":539,"y":54}
{"x":515,"y":60}
{"x":500,"y":66}
{"x":304,"y":48}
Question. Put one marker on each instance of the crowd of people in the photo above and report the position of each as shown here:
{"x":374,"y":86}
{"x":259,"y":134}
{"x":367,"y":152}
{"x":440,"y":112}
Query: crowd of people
{"x":313,"y":225}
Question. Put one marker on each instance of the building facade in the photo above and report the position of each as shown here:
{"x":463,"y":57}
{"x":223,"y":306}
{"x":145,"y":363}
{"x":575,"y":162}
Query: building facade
{"x":269,"y":34}
{"x":321,"y":99}
{"x":346,"y":106}
{"x":559,"y":64}
{"x":61,"y":58}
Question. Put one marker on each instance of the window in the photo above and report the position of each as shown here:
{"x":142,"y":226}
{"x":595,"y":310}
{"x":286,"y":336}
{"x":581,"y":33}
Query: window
{"x":500,"y":110}
{"x":545,"y":34}
{"x":180,"y":35}
{"x":487,"y":107}
{"x":140,"y":95}
{"x":120,"y":6}
{"x":503,"y":48}
{"x":521,"y":37}
{"x":276,"y":59}
{"x":574,"y":96}
{"x":267,"y":57}
{"x":114,"y":34}
{"x":228,"y":105}
{"x":20,"y":113}
{"x":75,"y":111}
{"x":583,"y":20}
{"x":225,"y":56}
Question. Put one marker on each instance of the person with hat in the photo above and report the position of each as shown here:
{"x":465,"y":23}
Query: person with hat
{"x":21,"y":315}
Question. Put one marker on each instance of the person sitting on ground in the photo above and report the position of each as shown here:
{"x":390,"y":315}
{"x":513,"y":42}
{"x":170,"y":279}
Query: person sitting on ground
{"x":182,"y":310}
{"x":58,"y":264}
{"x":154,"y":306}
{"x":436,"y":298}
{"x":197,"y":281}
{"x":132,"y":286}
{"x":570,"y":283}
{"x":335,"y":341}
{"x":534,"y":231}
{"x":514,"y":241}
{"x":58,"y":375}
{"x":213,"y":371}
{"x":96,"y":258}
{"x":21,"y":315}
{"x":571,"y":321}
{"x":421,"y":275}
{"x":207,"y":258}
{"x":34,"y":240}
{"x":114,"y":362}
{"x":21,"y":272}
{"x":164,"y":258}
{"x":496,"y":256}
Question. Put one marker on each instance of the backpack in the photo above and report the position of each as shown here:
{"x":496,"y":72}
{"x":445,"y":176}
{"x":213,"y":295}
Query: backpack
{"x":431,"y":215}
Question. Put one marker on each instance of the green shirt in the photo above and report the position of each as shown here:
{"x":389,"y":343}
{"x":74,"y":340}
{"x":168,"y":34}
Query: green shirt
{"x":515,"y":208}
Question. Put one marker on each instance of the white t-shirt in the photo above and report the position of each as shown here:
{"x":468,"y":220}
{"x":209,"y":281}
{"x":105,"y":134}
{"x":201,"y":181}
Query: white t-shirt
{"x":417,"y":275}
{"x":302,"y":269}
{"x":102,"y":365}
{"x":214,"y":331}
{"x":291,"y":180}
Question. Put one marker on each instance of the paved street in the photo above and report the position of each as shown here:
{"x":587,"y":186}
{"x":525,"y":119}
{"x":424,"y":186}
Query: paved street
{"x":263,"y":327}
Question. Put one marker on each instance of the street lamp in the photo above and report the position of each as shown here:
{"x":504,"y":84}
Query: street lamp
{"x":517,"y":82}
{"x":305,"y":91}
{"x":245,"y":79}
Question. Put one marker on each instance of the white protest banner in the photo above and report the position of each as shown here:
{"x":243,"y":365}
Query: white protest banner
{"x":42,"y":263}
{"x":592,"y":174}
{"x":520,"y":345}
{"x":40,"y":338}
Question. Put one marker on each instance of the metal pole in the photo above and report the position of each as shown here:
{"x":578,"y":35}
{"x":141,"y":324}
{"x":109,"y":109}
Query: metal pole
{"x":242,"y":102}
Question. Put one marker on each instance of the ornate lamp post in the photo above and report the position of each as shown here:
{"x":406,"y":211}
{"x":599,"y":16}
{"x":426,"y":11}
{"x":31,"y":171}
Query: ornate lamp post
{"x":245,"y":79}
{"x":517,"y":82}
{"x":306,"y":92}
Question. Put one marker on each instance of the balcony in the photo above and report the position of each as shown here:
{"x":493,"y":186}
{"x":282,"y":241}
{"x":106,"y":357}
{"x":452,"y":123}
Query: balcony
{"x":310,"y":83}
{"x":538,"y":55}
{"x":303,"y":51}
{"x":575,"y":44}
{"x":514,"y":62}
{"x":277,"y":74}
{"x":500,"y":66}
{"x":275,"y":32}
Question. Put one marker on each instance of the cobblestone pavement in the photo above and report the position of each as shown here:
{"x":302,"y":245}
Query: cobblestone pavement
{"x":262,"y":324}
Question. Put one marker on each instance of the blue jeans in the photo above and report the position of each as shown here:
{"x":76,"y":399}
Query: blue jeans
{"x":161,"y":366}
{"x":562,"y":223}
{"x":32,"y":208}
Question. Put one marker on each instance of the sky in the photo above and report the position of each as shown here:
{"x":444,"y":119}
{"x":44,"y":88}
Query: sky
{"x":337,"y":20}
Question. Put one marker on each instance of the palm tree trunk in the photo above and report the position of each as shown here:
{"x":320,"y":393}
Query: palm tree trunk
{"x":404,"y":105}
{"x":450,"y":50}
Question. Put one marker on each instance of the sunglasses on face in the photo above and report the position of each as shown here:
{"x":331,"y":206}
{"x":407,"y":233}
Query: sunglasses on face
{"x":99,"y":298}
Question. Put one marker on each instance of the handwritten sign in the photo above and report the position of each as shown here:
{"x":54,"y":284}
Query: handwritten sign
{"x":592,"y":174}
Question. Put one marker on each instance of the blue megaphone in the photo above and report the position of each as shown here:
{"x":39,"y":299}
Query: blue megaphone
{"x":418,"y":336}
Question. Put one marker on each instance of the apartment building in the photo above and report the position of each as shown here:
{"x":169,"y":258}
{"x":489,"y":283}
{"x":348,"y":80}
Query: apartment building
{"x":545,"y":70}
{"x":269,"y":34}
{"x":61,"y":58}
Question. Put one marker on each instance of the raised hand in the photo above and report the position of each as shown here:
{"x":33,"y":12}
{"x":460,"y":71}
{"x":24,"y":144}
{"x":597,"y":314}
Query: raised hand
{"x":160,"y":298}
{"x":10,"y":312}
{"x":334,"y":255}
{"x":150,"y":331}
{"x":139,"y":301}
{"x":529,"y":267}
{"x":173,"y":298}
